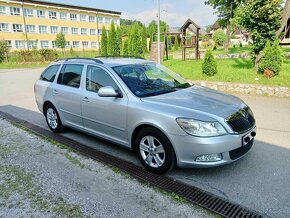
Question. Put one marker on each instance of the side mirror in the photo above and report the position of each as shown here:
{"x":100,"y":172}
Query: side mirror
{"x":108,"y":91}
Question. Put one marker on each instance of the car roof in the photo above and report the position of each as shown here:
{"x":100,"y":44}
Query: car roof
{"x":107,"y":61}
{"x":112,"y":62}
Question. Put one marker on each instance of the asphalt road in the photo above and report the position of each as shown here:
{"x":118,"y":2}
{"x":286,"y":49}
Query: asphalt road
{"x":259,"y":181}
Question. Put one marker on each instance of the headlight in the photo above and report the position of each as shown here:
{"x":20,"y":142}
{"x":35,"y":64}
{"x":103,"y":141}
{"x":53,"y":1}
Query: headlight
{"x":200,"y":128}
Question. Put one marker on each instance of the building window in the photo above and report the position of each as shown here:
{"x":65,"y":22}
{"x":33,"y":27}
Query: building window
{"x":54,"y":29}
{"x":83,"y":17}
{"x":15,"y":11}
{"x":85,"y":44}
{"x":76,"y":44}
{"x":32,"y":44}
{"x":42,"y":29}
{"x":94,"y":44}
{"x":30,"y":28}
{"x":4,"y":27}
{"x":74,"y":31}
{"x":40,"y":14}
{"x":100,"y":32}
{"x":2,"y":10}
{"x":100,"y":19}
{"x":52,"y":15}
{"x":28,"y":12}
{"x":8,"y":42}
{"x":44,"y":44}
{"x":67,"y":44}
{"x":84,"y":31}
{"x":19,"y":44}
{"x":107,"y":20}
{"x":117,"y":21}
{"x":73,"y":17}
{"x":64,"y":30}
{"x":92,"y":19}
{"x":53,"y":43}
{"x":92,"y":32}
{"x":17,"y":28}
{"x":63,"y":16}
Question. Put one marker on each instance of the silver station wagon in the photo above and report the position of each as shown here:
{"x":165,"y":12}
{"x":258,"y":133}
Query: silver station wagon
{"x":146,"y":107}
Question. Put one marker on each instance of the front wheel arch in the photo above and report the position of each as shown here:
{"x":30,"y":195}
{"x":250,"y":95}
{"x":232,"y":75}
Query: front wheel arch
{"x":138,"y":131}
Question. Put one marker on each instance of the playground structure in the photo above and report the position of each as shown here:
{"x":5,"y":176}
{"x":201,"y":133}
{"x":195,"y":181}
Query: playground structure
{"x":190,"y":41}
{"x":188,"y":36}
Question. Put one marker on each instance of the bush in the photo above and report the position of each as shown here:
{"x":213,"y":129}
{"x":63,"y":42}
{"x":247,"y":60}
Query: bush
{"x":219,"y":37}
{"x":3,"y":50}
{"x":125,"y":48}
{"x":48,"y":54}
{"x":272,"y":58}
{"x":209,"y":65}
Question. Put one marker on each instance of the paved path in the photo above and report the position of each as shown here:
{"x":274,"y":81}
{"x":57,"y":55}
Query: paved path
{"x":52,"y":182}
{"x":259,"y":181}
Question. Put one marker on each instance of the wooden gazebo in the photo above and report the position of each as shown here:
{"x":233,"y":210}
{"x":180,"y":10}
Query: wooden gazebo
{"x":190,"y":41}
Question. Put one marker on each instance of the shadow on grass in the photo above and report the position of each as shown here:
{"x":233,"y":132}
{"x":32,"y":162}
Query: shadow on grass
{"x":242,"y":63}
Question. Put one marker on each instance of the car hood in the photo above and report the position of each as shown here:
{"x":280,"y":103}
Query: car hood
{"x":200,"y":99}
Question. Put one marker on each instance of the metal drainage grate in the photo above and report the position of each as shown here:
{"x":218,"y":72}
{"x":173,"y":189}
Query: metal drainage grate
{"x":192,"y":194}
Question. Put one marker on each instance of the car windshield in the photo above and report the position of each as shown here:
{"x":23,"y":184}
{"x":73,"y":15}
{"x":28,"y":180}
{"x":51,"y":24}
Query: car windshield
{"x":150,"y":79}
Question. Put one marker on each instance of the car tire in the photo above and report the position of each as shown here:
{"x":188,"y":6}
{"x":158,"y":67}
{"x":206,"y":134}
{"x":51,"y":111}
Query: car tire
{"x":154,"y":150}
{"x":52,"y":119}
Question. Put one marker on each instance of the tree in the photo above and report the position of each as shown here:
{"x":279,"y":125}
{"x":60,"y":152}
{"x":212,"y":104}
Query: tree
{"x":119,"y":40}
{"x":262,"y":18}
{"x":135,"y":42}
{"x":104,"y":42}
{"x":272,"y":58}
{"x":209,"y":65}
{"x":112,"y":41}
{"x":60,"y":42}
{"x":285,"y":17}
{"x":225,"y":9}
{"x":219,"y":37}
{"x":125,"y":48}
{"x":3,"y":50}
{"x":176,"y":44}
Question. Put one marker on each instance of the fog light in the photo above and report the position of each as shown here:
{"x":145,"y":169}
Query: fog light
{"x":209,"y":158}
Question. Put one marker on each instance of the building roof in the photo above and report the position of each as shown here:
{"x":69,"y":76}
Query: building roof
{"x":216,"y":25}
{"x":188,"y":23}
{"x":46,"y":3}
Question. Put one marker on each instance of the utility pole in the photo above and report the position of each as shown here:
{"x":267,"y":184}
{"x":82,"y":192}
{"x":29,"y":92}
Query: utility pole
{"x":158,"y":33}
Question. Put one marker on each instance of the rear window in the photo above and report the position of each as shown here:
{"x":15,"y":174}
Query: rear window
{"x":70,"y":75}
{"x":49,"y":73}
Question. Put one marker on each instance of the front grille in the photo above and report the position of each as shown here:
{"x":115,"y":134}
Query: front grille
{"x":235,"y":154}
{"x":241,"y":121}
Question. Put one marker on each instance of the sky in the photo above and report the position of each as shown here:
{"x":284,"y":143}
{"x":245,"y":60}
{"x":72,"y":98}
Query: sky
{"x":173,"y":12}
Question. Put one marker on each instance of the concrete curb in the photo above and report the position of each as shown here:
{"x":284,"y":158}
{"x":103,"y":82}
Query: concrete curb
{"x":252,"y":89}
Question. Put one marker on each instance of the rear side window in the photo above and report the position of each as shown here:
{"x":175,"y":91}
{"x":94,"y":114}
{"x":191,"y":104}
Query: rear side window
{"x":49,"y":73}
{"x":70,"y":75}
{"x":97,"y":78}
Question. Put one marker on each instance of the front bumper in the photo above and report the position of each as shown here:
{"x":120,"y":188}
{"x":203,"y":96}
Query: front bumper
{"x":231,"y":147}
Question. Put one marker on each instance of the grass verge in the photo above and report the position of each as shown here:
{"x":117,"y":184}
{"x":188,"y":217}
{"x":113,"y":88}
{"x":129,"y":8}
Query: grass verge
{"x":229,"y":70}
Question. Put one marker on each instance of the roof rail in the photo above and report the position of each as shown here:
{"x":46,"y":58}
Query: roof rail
{"x":120,"y":56}
{"x":88,"y":59}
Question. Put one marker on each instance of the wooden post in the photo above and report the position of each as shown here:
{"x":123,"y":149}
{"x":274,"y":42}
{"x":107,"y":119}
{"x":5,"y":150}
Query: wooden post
{"x":197,"y":45}
{"x":183,"y":45}
{"x":166,"y":45}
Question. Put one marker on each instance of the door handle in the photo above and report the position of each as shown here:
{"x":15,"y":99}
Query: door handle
{"x":86,"y":99}
{"x":55,"y":91}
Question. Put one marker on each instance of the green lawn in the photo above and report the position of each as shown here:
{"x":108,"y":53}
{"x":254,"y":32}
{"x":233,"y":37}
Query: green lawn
{"x":21,"y":65}
{"x":232,"y":50}
{"x":229,"y":70}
